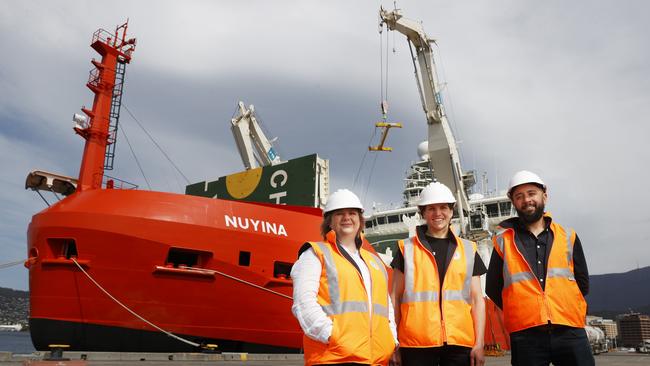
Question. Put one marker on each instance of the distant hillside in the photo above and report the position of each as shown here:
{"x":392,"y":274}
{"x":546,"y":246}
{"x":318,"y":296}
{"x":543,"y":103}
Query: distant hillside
{"x":14,"y":306}
{"x":617,"y":293}
{"x":7,"y":292}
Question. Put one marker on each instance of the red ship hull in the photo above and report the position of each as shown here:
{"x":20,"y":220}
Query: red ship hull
{"x":164,"y":256}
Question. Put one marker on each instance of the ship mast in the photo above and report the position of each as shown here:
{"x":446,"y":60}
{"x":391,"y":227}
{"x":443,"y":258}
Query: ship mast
{"x":105,"y":81}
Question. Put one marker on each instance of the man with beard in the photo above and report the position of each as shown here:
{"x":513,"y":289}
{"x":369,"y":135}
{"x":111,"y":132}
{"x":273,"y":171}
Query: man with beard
{"x":538,"y":276}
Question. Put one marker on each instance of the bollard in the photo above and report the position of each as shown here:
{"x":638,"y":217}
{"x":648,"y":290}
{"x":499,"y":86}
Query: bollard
{"x":56,"y":352}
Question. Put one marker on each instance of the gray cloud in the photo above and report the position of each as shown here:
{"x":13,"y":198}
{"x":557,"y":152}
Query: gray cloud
{"x":555,"y":87}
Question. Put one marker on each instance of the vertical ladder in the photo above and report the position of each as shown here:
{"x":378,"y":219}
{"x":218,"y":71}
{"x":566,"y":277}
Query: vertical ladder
{"x":114,"y":116}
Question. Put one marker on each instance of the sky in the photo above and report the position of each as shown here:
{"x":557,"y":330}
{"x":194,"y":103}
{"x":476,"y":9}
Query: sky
{"x":559,"y":88}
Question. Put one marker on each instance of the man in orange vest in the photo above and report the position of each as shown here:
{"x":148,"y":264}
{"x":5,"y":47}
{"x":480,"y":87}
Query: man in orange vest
{"x":340,"y":292}
{"x":538,"y":275}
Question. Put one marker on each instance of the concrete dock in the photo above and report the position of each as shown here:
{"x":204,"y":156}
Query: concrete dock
{"x":239,"y":359}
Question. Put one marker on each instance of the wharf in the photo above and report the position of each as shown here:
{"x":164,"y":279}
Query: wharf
{"x":151,"y":359}
{"x":239,"y":359}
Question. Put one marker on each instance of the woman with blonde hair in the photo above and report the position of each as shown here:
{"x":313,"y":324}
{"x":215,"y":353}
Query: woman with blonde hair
{"x":340,"y":292}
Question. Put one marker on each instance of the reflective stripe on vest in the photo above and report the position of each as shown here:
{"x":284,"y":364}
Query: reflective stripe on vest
{"x":409,"y":278}
{"x":510,"y":278}
{"x":337,"y":306}
{"x":569,"y":245}
{"x":500,"y":242}
{"x":410,"y":295}
{"x":560,"y":272}
{"x":564,"y":272}
{"x":469,"y":271}
{"x":379,"y":309}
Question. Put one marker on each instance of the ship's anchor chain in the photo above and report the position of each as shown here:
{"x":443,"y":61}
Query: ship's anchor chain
{"x":170,"y":334}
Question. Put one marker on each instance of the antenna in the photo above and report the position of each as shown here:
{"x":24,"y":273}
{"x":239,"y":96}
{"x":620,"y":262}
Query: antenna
{"x":496,"y":175}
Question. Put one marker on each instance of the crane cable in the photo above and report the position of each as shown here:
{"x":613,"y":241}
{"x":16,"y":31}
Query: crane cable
{"x":381,"y":60}
{"x":356,"y":178}
{"x":168,"y":333}
{"x":372,"y":168}
{"x":383,"y":91}
{"x":384,"y":98}
{"x":384,"y":71}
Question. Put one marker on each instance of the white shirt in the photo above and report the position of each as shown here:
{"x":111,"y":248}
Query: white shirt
{"x":306,"y":280}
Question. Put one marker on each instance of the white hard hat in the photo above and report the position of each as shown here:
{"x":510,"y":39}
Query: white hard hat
{"x":524,"y":177}
{"x":436,"y":193}
{"x":342,"y":198}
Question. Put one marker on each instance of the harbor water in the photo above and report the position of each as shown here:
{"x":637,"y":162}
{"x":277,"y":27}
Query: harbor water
{"x":16,"y":342}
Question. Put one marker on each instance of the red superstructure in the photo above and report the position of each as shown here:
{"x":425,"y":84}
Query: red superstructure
{"x":198,"y":267}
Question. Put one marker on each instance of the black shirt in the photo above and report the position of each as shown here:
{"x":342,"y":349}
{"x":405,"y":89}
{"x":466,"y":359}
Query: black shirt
{"x":440,"y":250}
{"x":536,"y":250}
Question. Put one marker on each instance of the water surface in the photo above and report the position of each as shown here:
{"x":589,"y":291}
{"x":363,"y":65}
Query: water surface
{"x":16,"y":342}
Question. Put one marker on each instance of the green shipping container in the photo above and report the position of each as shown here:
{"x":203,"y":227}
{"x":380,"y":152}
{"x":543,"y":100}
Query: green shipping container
{"x":302,"y":181}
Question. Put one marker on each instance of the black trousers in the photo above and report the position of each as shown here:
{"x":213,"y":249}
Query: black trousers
{"x":435,"y":356}
{"x":560,"y":345}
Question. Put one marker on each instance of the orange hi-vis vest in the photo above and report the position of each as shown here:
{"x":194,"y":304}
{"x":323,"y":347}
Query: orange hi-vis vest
{"x":360,"y":334}
{"x":525,"y":304}
{"x":422,"y":322}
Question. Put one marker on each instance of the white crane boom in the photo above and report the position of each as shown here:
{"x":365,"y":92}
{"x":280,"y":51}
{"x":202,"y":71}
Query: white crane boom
{"x":443,"y":152}
{"x":254,"y":147}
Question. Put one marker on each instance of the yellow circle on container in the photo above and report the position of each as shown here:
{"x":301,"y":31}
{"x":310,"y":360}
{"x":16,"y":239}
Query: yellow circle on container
{"x":241,"y":185}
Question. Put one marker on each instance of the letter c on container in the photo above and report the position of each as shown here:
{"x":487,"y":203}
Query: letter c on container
{"x":283,"y":180}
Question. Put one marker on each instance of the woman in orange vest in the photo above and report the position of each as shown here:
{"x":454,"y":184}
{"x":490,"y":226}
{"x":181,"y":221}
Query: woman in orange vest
{"x":439,"y":305}
{"x":340,"y":292}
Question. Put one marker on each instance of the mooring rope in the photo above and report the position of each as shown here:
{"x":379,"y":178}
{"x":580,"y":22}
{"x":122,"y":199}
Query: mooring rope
{"x":254,"y":285}
{"x":157,"y":327}
{"x":131,"y":311}
{"x":11,"y":264}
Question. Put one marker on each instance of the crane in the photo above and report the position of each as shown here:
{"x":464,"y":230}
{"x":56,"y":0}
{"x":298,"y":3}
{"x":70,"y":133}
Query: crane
{"x":254,"y":147}
{"x":443,"y":152}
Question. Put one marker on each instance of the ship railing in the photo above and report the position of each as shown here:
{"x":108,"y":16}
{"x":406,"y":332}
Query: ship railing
{"x":93,"y":77}
{"x":106,"y":37}
{"x":103,"y":36}
{"x":109,"y":182}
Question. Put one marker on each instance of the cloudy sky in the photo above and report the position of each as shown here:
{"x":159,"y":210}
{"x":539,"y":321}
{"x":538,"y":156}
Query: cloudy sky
{"x":559,"y":88}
